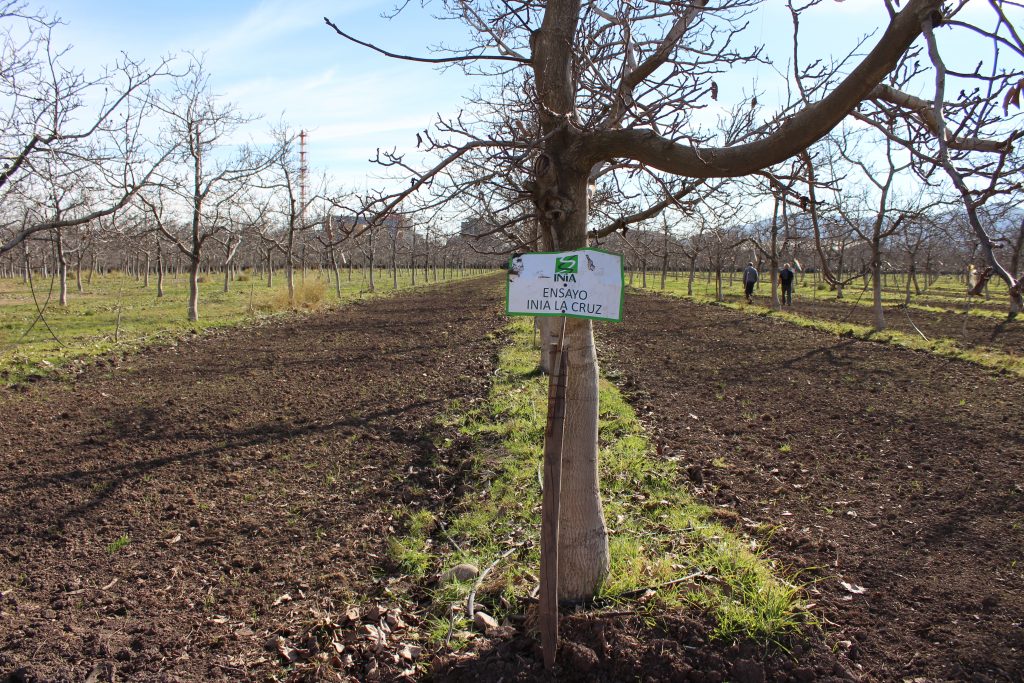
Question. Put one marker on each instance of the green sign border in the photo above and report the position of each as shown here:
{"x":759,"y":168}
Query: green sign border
{"x":622,"y":290}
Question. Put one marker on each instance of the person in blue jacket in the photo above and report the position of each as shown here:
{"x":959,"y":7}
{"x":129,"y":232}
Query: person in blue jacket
{"x":749,"y":280}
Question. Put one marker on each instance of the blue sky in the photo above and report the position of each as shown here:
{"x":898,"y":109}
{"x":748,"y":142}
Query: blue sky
{"x":276,"y":57}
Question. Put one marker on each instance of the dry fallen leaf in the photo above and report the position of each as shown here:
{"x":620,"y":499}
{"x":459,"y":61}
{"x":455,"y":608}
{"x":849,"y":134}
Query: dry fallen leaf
{"x":853,"y":588}
{"x":410,"y":652}
{"x":376,"y":637}
{"x":286,"y":650}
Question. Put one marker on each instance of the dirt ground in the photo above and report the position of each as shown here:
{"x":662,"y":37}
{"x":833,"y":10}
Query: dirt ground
{"x":894,"y":479}
{"x":976,"y":331}
{"x":250,"y":477}
{"x":185,"y":513}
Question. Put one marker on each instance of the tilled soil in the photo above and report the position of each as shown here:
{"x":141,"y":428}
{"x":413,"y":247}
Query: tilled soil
{"x":165,"y":517}
{"x":161,"y":517}
{"x":967,"y":330}
{"x":894,"y":479}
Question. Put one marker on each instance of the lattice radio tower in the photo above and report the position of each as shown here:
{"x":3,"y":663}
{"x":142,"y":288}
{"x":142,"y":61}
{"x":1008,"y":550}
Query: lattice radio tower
{"x":303,"y":171}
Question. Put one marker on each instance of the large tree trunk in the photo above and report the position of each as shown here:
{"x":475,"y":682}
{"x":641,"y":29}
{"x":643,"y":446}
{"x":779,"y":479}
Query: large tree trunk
{"x":228,"y":265}
{"x":159,"y":271}
{"x":337,"y":273}
{"x":773,"y":266}
{"x":664,"y":258}
{"x":394,"y":261}
{"x":371,"y":285}
{"x":549,"y":329}
{"x":289,"y":272}
{"x":412,"y":260}
{"x":773,"y":260}
{"x":560,"y":195}
{"x":911,"y":277}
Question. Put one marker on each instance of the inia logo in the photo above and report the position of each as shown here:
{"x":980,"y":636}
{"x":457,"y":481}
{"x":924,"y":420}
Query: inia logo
{"x":567,"y":265}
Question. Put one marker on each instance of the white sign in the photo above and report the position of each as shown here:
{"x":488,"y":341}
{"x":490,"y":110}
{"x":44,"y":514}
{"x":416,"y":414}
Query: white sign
{"x":586,"y":283}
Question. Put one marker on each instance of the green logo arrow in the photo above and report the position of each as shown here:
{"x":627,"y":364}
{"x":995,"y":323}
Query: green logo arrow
{"x":567,"y":265}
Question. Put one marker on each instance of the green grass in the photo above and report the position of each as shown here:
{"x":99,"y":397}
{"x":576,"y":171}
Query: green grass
{"x":119,"y":305}
{"x":410,"y":551}
{"x":945,"y":295}
{"x":658,"y":533}
{"x":119,"y":543}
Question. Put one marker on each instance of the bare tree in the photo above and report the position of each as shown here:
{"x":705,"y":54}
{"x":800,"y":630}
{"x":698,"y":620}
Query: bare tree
{"x":967,"y":141}
{"x":61,"y":124}
{"x":876,"y":212}
{"x":612,"y":89}
{"x":202,"y":180}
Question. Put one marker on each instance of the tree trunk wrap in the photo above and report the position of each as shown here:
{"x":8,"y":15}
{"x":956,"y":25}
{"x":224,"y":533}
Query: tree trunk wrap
{"x":193,"y":291}
{"x":583,"y":536}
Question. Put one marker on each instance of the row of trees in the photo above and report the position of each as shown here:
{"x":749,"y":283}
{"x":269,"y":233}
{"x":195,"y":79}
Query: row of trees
{"x":593,"y":118}
{"x":140,"y":250}
{"x":140,"y":167}
{"x":925,"y":244}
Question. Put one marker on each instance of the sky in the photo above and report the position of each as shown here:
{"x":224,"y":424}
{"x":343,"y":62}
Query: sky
{"x":278,"y":59}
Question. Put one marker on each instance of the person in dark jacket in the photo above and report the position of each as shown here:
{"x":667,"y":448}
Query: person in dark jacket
{"x":786,"y":280}
{"x":749,"y":280}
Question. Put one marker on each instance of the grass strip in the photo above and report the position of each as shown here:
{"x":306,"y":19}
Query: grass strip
{"x":943,"y":346}
{"x":86,"y":326}
{"x":658,"y":533}
{"x":947,"y":299}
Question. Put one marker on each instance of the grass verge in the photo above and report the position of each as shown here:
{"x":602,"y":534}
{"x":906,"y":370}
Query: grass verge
{"x":117,"y":314}
{"x":658,"y":533}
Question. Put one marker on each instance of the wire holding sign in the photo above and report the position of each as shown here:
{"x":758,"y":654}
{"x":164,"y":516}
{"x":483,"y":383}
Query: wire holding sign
{"x":586,"y":283}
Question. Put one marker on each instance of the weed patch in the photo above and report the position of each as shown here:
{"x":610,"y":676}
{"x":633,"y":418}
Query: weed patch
{"x":664,"y":545}
{"x":119,"y":543}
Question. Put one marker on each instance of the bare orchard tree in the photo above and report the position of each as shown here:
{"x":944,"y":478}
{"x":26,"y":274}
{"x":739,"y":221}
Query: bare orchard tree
{"x":205,"y":177}
{"x":963,"y":136}
{"x":691,"y":246}
{"x":611,"y":85}
{"x":876,"y":211}
{"x":771,"y":237}
{"x":58,"y":122}
{"x":283,"y":179}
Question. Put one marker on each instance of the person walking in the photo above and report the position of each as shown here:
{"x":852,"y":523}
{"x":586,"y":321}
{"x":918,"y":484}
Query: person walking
{"x":786,"y":280}
{"x":749,"y":280}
